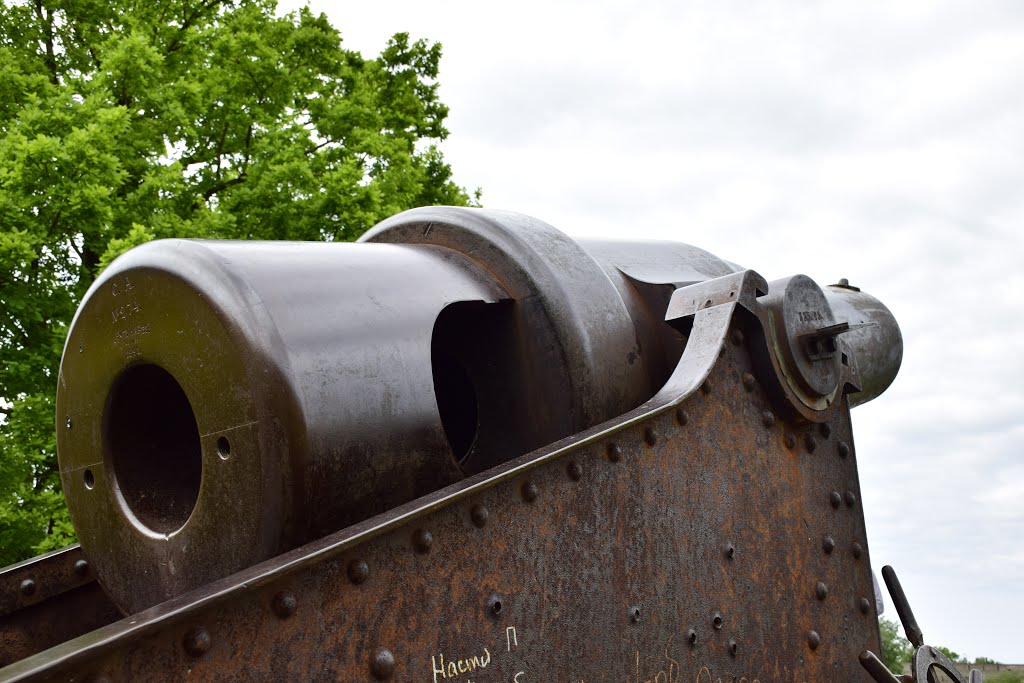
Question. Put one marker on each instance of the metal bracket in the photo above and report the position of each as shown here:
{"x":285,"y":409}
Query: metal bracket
{"x":788,"y":351}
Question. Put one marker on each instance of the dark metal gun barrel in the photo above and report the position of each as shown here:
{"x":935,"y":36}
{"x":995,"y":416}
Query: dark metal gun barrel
{"x":222,"y":402}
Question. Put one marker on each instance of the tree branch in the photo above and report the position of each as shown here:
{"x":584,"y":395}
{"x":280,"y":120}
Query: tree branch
{"x":187,"y":22}
{"x":51,"y":59}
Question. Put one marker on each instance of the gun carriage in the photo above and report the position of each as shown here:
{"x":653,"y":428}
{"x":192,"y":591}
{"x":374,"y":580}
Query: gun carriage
{"x":467,"y":448}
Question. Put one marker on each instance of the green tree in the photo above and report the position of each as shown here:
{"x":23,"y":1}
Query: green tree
{"x":123,"y":121}
{"x":952,"y":656}
{"x":896,"y":650}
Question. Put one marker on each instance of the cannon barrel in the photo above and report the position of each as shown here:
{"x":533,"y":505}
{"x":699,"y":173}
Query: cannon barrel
{"x":220,"y":403}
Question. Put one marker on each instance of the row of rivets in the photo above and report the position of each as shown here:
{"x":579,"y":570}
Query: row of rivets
{"x":28,"y":586}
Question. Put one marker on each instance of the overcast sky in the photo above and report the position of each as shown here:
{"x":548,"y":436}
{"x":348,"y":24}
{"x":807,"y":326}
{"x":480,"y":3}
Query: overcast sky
{"x":878,"y":141}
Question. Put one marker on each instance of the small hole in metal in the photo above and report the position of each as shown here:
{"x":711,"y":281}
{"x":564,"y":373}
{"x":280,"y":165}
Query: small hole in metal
{"x":223,"y":448}
{"x":90,"y":480}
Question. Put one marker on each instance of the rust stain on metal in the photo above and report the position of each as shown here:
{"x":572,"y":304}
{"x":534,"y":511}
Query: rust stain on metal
{"x":643,"y":538}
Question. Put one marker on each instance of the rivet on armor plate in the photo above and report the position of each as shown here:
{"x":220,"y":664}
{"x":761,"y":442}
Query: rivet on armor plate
{"x":748,"y":381}
{"x":382,"y":663}
{"x":422,"y":540}
{"x":197,"y":641}
{"x":358,"y":571}
{"x":479,"y":514}
{"x":284,"y":604}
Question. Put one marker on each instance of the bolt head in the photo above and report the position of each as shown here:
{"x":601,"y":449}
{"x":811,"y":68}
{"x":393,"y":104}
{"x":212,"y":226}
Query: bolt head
{"x":28,"y":587}
{"x":479,"y":514}
{"x":864,"y":605}
{"x":382,"y":663}
{"x":835,"y":499}
{"x":682,"y":417}
{"x":82,"y":568}
{"x":857,"y":550}
{"x":650,"y":436}
{"x":821,"y":590}
{"x":828,"y":544}
{"x":284,"y":604}
{"x":768,"y":419}
{"x":197,"y":641}
{"x":851,"y":498}
{"x":843,"y":449}
{"x":358,"y":571}
{"x":813,"y":639}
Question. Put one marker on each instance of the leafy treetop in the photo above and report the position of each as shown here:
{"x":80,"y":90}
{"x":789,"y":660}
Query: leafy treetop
{"x":123,"y":121}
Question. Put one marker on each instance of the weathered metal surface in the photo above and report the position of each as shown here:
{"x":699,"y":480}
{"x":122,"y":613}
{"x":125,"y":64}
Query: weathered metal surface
{"x":222,"y":402}
{"x":874,"y":336}
{"x":47,"y":600}
{"x":703,"y":536}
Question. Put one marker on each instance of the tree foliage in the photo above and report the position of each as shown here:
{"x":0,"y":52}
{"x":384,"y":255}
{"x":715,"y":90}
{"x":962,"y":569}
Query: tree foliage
{"x":123,"y":121}
{"x":896,"y":650}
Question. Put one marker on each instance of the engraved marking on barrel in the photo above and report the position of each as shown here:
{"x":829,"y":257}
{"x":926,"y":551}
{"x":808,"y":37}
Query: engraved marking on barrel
{"x":810,"y":316}
{"x":127,"y":341}
{"x":127,"y":309}
{"x":121,"y":286}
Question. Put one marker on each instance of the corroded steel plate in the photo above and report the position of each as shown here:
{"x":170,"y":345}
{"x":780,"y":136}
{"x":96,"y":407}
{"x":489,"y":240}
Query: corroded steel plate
{"x":699,"y":538}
